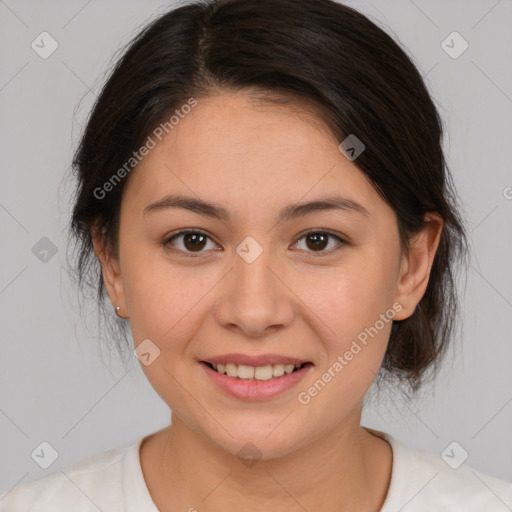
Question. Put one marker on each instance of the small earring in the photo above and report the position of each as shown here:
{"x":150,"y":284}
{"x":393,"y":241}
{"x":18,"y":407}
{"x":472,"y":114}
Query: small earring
{"x":117,"y":311}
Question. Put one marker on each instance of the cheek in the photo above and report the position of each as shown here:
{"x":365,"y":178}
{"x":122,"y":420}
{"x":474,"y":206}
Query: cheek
{"x":167,"y":305}
{"x":352,"y":308}
{"x":164,"y":299}
{"x":349,"y":298}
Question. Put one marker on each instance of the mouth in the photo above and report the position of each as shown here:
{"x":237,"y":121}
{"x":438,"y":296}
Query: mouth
{"x":245,"y":382}
{"x":259,"y":373}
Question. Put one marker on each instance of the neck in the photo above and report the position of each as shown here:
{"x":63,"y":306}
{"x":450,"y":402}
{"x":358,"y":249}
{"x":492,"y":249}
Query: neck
{"x":347,"y":469}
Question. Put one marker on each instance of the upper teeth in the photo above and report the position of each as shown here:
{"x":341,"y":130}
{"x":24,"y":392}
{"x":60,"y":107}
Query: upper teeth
{"x":243,"y":371}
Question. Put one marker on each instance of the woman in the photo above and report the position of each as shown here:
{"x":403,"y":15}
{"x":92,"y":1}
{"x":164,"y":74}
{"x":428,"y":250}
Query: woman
{"x":262,"y":192}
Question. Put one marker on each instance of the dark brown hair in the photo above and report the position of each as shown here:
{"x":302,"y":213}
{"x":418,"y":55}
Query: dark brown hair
{"x":355,"y":76}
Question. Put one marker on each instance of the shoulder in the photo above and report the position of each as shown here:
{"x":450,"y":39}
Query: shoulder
{"x":425,"y":481}
{"x":92,"y":484}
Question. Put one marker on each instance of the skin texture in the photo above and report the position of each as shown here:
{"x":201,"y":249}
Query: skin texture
{"x":253,"y":161}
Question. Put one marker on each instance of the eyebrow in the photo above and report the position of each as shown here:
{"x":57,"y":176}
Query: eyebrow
{"x":287,"y":213}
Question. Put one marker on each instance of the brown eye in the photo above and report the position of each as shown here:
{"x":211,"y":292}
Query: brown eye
{"x":188,"y":241}
{"x":317,"y":241}
{"x":193,"y":241}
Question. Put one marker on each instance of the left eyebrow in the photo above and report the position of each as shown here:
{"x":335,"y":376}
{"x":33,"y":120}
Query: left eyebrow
{"x":287,"y":213}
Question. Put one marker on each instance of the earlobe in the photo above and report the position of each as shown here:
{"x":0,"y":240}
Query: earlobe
{"x":111,"y":272}
{"x":416,"y":265}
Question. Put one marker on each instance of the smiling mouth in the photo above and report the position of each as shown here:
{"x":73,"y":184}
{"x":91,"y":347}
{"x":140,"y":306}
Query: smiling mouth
{"x":245,"y":372}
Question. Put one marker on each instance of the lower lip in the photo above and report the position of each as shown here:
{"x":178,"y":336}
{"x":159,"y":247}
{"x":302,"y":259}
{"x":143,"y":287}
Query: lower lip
{"x":256,"y":389}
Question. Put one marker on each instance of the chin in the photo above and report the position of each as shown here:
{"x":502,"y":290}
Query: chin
{"x":258,"y":441}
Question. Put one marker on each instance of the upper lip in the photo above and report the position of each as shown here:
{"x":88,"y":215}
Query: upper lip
{"x":259,"y":360}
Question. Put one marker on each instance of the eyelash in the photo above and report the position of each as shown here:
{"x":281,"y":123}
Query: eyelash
{"x":166,"y":242}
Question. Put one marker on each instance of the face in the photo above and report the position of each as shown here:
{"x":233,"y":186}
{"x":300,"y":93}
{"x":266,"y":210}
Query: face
{"x":264,"y":282}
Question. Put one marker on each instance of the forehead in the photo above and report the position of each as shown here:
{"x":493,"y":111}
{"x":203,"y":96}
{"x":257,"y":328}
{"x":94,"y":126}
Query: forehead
{"x":241,"y":122}
{"x":232,"y":145}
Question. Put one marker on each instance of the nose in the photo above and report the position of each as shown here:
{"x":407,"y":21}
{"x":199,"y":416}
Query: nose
{"x":254,"y":297}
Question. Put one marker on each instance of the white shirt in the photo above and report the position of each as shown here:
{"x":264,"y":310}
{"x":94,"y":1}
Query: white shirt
{"x":112,"y":481}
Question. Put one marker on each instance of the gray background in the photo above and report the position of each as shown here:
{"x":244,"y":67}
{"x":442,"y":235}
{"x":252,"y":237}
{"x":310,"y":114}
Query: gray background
{"x":56,"y":385}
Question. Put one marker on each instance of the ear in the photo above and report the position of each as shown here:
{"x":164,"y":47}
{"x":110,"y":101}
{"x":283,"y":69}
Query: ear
{"x":416,"y":265}
{"x":111,"y":271}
